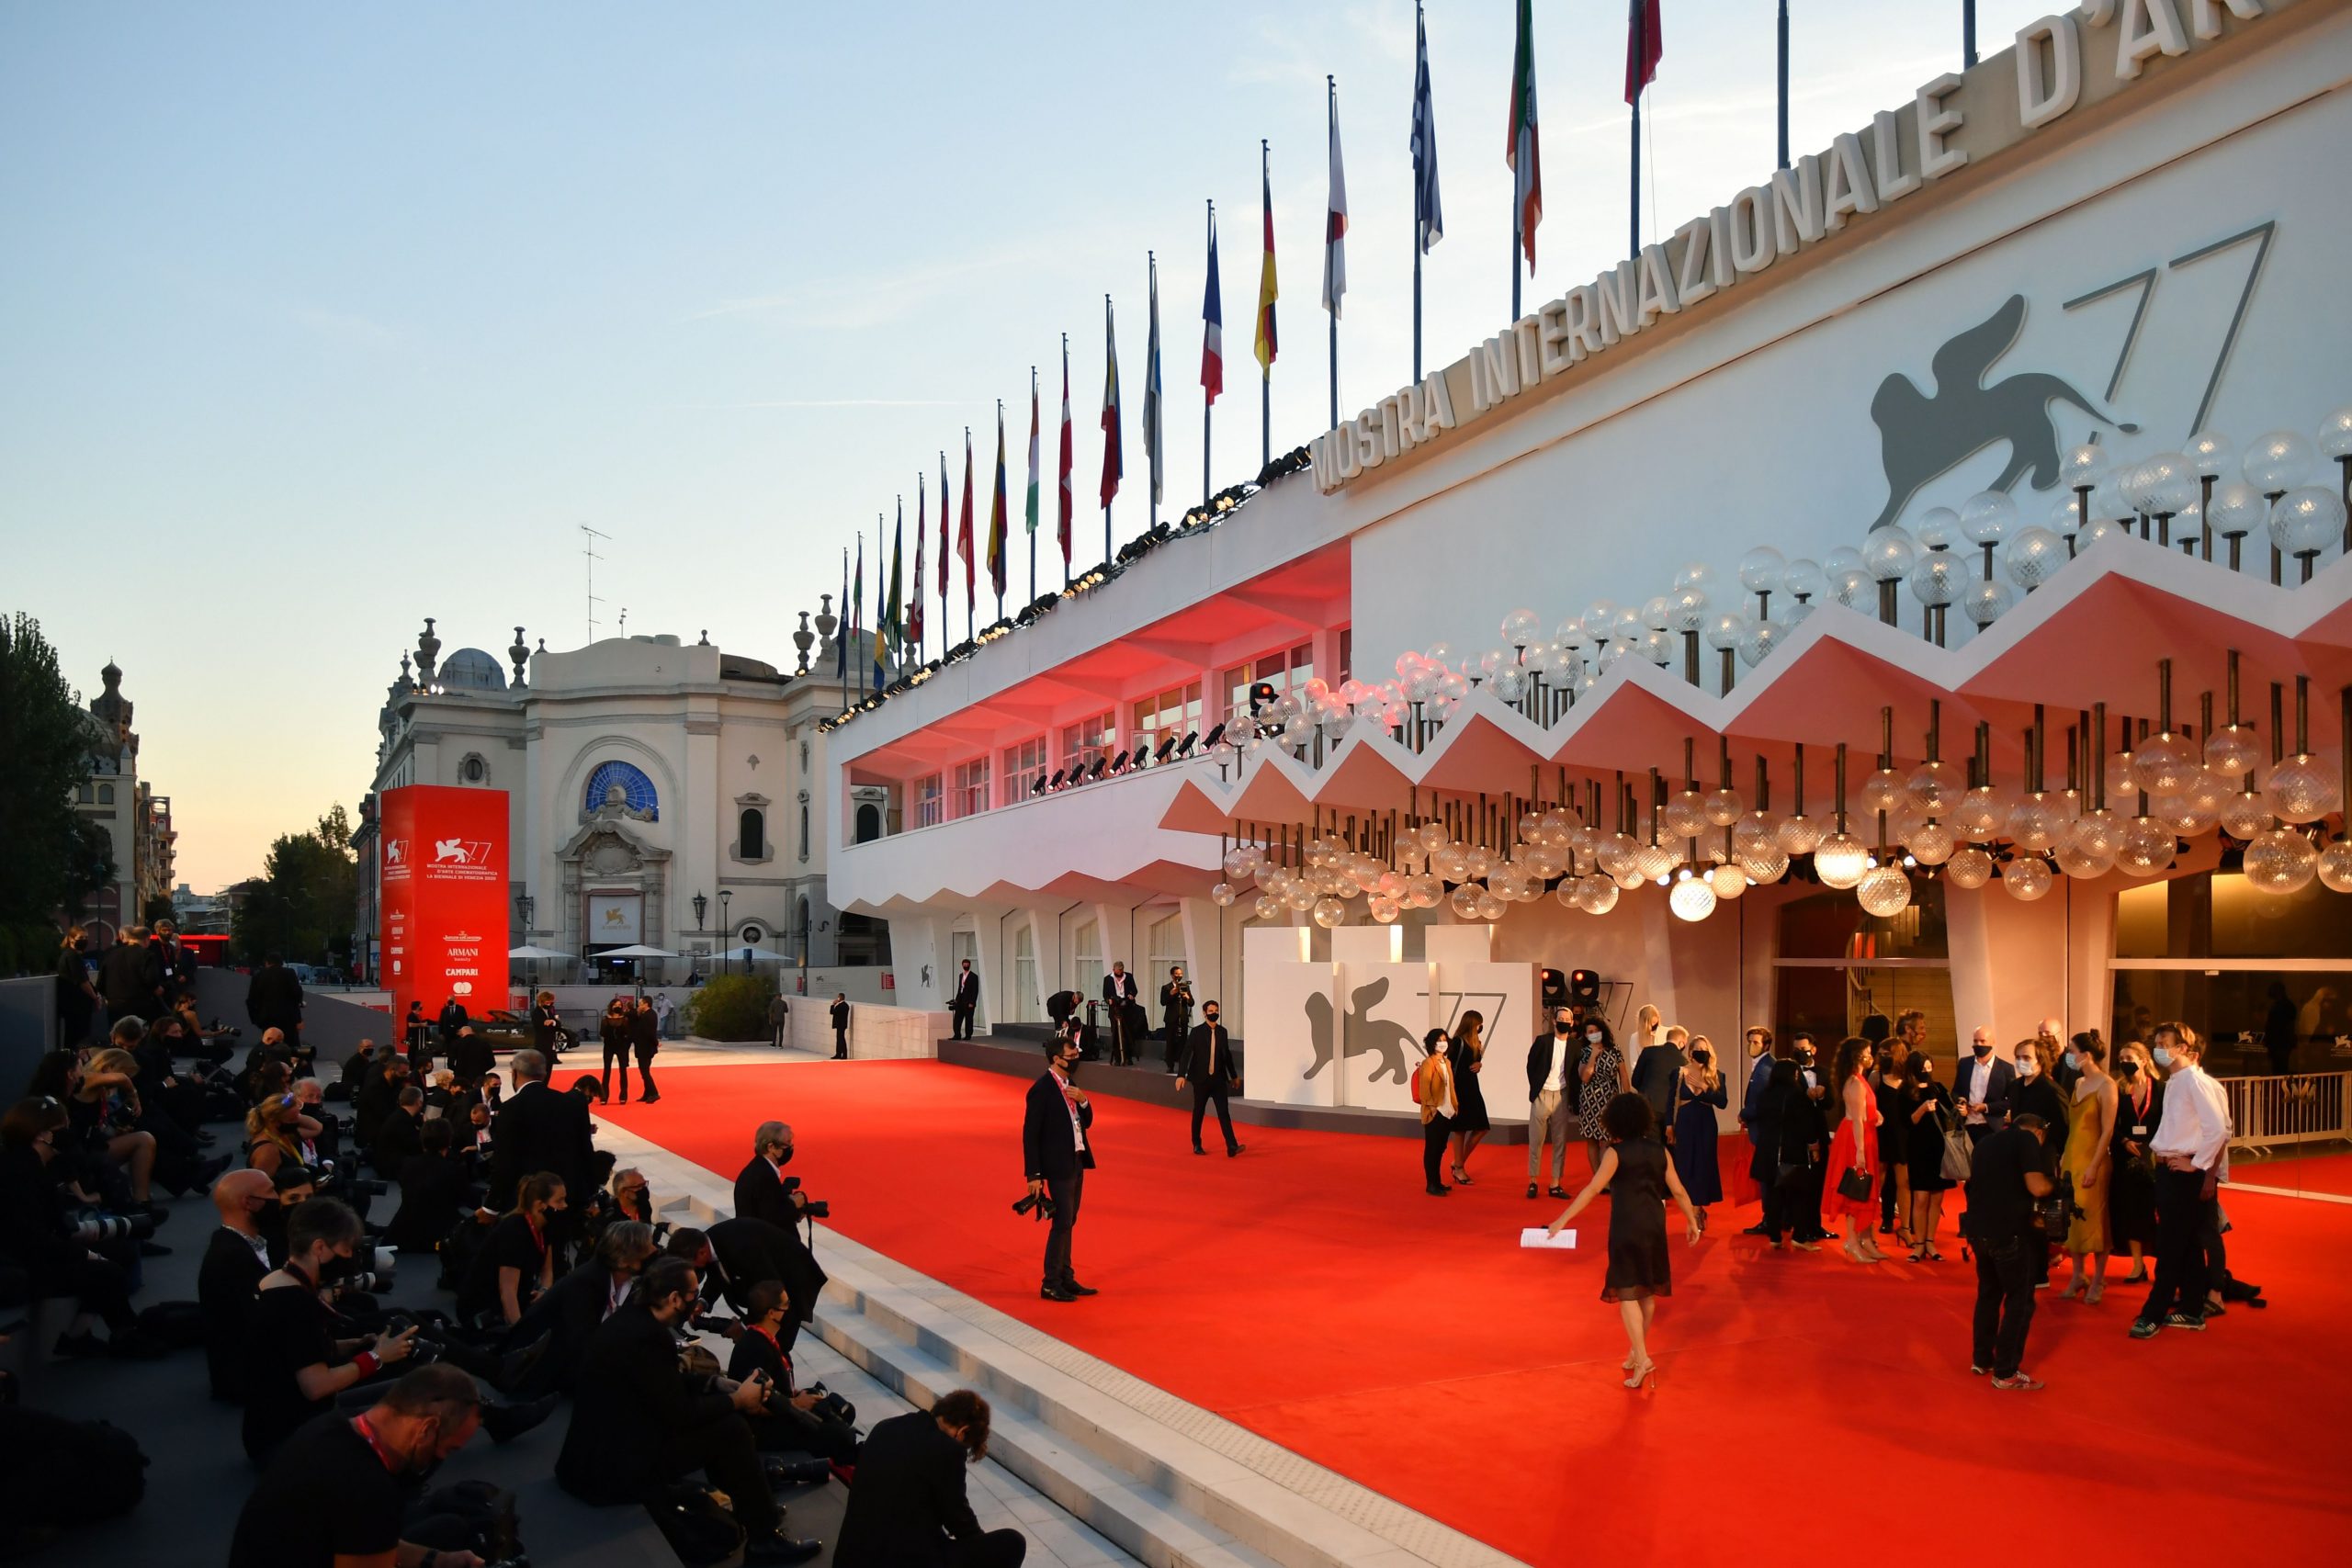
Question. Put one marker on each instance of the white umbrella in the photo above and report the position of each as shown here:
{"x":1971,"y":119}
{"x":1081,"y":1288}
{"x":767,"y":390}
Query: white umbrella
{"x":535,"y":953}
{"x":637,"y":950}
{"x":751,"y":955}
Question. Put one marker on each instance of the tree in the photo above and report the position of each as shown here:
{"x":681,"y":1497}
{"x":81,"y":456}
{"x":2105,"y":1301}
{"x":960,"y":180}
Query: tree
{"x":158,"y":907}
{"x":45,"y":861}
{"x":301,"y":907}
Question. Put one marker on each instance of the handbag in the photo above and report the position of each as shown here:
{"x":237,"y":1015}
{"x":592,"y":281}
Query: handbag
{"x":1960,"y":1156}
{"x":1855,"y":1186}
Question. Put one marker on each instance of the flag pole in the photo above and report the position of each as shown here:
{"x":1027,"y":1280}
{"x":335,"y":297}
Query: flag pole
{"x":971,"y":611}
{"x":1633,"y":215}
{"x":1784,"y":83}
{"x":1331,"y":134}
{"x":946,"y":555}
{"x":1265,"y":372}
{"x":1033,"y":485}
{"x":1151,"y":416}
{"x":1967,"y":32}
{"x":1418,"y":220}
{"x":1107,"y":553}
{"x":1001,"y":520}
{"x":1209,"y":403}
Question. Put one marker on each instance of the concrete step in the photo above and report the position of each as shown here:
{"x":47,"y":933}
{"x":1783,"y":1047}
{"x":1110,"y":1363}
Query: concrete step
{"x":1173,"y":1485}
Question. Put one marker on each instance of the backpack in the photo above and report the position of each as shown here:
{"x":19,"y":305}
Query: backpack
{"x":697,"y":1528}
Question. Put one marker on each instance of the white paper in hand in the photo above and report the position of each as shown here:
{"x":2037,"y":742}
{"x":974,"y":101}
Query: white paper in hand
{"x":1533,"y":1236}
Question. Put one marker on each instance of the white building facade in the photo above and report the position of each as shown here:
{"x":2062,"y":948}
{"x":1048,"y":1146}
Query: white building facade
{"x":660,"y":794}
{"x":2110,"y":244}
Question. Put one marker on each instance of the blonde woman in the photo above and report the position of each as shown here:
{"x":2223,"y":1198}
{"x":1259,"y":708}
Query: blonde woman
{"x":1433,"y":1092}
{"x":274,"y":1132}
{"x":1698,"y":1093}
{"x":2090,"y":1131}
{"x":104,"y":1110}
{"x":2132,"y":1167}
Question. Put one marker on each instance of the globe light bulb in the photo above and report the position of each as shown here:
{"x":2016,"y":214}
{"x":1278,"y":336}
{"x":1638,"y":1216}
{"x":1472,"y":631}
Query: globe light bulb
{"x":2335,"y":861}
{"x":1840,"y":861}
{"x":1884,"y":891}
{"x":2026,"y":879}
{"x":2280,"y":861}
{"x":1971,"y":867}
{"x":1693,"y":899}
{"x":1728,"y":880}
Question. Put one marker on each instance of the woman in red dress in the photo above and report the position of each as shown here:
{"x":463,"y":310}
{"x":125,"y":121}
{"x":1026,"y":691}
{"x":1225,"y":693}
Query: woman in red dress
{"x":1854,"y":1146}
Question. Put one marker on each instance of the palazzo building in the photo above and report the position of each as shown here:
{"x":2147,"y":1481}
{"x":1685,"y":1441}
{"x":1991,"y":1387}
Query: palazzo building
{"x":136,"y":821}
{"x":660,"y":793}
{"x":1951,"y":458}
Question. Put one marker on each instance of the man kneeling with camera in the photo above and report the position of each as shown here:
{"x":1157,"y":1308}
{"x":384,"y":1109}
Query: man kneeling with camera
{"x":819,"y":1422}
{"x":639,"y":1420}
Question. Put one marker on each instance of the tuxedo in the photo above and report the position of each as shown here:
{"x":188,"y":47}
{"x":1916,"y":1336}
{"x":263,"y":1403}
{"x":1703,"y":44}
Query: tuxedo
{"x":540,"y":1129}
{"x":839,"y":1013}
{"x":567,"y":1313}
{"x":909,"y":1508}
{"x":1206,"y":1063}
{"x":1121,"y":1000}
{"x":745,"y":1251}
{"x":965,"y":1003}
{"x":760,"y":1194}
{"x":1058,"y":1152}
{"x":2001,"y":1091}
{"x":1175,"y":1017}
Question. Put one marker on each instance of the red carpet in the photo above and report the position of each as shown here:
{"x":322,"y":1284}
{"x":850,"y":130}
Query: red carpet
{"x":2293,"y":1172}
{"x":1311,"y":1292}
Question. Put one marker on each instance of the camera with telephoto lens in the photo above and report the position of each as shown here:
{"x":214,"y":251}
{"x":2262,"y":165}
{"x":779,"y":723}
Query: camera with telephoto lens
{"x":815,"y":1207}
{"x":710,"y":1323}
{"x":2051,"y":1211}
{"x":98,"y":1225}
{"x":832,"y":1405}
{"x":1037,"y":1201}
{"x":374,"y":1276}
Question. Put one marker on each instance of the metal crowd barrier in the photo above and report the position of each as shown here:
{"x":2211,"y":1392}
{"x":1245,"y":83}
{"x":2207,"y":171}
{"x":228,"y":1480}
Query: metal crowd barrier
{"x":2301,"y":1107}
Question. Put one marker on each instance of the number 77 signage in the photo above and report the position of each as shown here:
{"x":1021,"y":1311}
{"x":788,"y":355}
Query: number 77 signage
{"x":443,"y":871}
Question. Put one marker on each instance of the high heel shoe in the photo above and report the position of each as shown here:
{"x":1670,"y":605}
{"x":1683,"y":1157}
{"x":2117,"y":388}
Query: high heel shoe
{"x":1642,"y":1374}
{"x":1918,"y":1255}
{"x":2097,"y":1293}
{"x":1855,"y":1253}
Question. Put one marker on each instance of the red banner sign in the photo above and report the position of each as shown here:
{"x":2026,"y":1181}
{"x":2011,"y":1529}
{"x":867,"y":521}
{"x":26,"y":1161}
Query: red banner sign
{"x":444,"y":881}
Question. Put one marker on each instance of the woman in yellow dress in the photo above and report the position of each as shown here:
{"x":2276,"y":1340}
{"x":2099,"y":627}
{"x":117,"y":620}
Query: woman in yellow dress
{"x":2090,"y":1122}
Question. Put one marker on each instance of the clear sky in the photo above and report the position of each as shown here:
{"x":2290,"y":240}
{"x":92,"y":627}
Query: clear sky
{"x":315,"y":320}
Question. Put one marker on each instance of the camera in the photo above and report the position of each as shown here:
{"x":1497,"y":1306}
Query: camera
{"x":97,"y":1225}
{"x":1037,"y":1201}
{"x":832,"y":1405}
{"x":814,"y":1208}
{"x":709,"y":1323}
{"x":2051,"y":1211}
{"x":374,"y":1276}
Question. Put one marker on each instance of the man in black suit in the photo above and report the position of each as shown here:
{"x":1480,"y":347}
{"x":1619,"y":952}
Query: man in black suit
{"x":273,"y":999}
{"x":567,"y":1312}
{"x":645,"y":1039}
{"x":472,"y":1057}
{"x":1119,"y":996}
{"x":1175,"y":1013}
{"x":122,"y":976}
{"x":907,"y":1507}
{"x":1983,"y":1085}
{"x":792,"y":1419}
{"x":1207,"y":1065}
{"x":638,"y":1422}
{"x":539,"y":1129}
{"x":839,"y":1015}
{"x":736,"y":1253}
{"x":1057,"y":1154}
{"x":235,"y":1262}
{"x":759,"y":1191}
{"x":401,"y":1134}
{"x":965,"y":1003}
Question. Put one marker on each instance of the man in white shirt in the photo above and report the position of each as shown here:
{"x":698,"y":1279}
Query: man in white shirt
{"x":2191,"y":1149}
{"x":1548,"y":1062}
{"x":1984,"y":1086}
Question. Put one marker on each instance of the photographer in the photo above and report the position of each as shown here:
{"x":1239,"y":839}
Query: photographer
{"x":515,"y":1264}
{"x":909,"y":1506}
{"x":539,"y":1128}
{"x":816,"y":1422}
{"x":399,"y":1134}
{"x":275,"y":1130}
{"x":336,"y":1498}
{"x":375,"y":1099}
{"x":434,"y":1188}
{"x":273,"y":1000}
{"x":2006,"y":1184}
{"x":567,"y":1312}
{"x":736,"y":1253}
{"x":1175,"y":1015}
{"x":291,"y":1366}
{"x":762,"y":1192}
{"x":1056,"y":1155}
{"x":639,"y":1421}
{"x":40,"y":1238}
{"x":236,"y":1260}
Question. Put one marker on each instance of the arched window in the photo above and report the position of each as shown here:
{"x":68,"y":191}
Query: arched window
{"x":106,"y":795}
{"x":869,"y":823}
{"x":751,"y":834}
{"x":637,"y":790}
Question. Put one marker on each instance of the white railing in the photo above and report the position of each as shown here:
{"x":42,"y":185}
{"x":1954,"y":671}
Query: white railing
{"x":2301,"y":1107}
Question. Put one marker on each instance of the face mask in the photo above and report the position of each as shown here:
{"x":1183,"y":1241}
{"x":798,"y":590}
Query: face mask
{"x":2073,"y":1061}
{"x":783,"y":1157}
{"x":1593,"y":1036}
{"x":1560,"y":1027}
{"x":2163,"y":1057}
{"x":1982,"y":1050}
{"x":2130,"y":1069}
{"x":1212,"y":1018}
{"x":2027,"y":1069}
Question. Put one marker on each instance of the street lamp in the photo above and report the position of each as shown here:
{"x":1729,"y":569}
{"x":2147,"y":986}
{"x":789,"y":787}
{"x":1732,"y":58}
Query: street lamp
{"x":726,"y":928}
{"x":701,"y":904}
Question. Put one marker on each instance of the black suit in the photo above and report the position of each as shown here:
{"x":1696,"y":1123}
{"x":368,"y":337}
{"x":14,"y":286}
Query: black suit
{"x":1207,"y":1065}
{"x":432,"y":1189}
{"x":783,"y":1428}
{"x":744,"y":1251}
{"x":839,"y":1013}
{"x":473,"y":1058}
{"x":965,"y":1003}
{"x":1175,"y":1017}
{"x":1050,"y":1152}
{"x":637,"y":1424}
{"x":567,"y":1313}
{"x":225,"y":1285}
{"x":539,"y":1129}
{"x":760,"y":1195}
{"x":907,"y":1508}
{"x":645,"y":1039}
{"x":2000,"y":1092}
{"x":274,"y":1000}
{"x":1119,"y":999}
{"x":400,"y":1137}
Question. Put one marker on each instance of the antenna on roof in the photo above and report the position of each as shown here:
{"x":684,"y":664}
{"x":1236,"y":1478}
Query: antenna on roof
{"x":588,"y":549}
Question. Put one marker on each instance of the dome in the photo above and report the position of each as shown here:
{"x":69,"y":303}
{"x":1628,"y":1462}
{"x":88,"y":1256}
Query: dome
{"x":472,"y":669}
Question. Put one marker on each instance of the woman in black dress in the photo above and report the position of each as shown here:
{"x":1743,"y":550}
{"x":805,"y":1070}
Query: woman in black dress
{"x":1470,"y":1123}
{"x":2131,"y":1189}
{"x":1888,"y":1080}
{"x":1926,"y":1116}
{"x":1643,"y":1178}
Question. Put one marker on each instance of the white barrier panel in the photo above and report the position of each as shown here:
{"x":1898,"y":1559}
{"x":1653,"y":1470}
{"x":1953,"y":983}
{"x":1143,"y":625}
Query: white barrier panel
{"x":1293,"y":1019}
{"x":2301,"y":1107}
{"x":1388,"y":1008}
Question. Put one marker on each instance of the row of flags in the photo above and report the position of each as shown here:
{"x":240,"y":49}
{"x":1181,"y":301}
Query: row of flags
{"x":900,"y":627}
